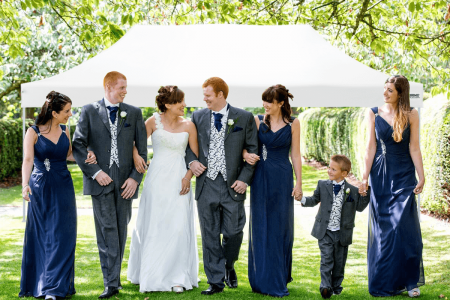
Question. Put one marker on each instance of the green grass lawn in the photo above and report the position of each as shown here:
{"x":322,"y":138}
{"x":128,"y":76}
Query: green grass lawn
{"x":306,"y":260}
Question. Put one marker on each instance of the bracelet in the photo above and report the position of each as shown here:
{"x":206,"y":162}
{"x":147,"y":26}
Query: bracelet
{"x":25,"y":187}
{"x":186,"y":179}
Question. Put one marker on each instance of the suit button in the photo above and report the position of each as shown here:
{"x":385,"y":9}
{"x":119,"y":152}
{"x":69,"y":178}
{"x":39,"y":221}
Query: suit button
{"x":329,"y":211}
{"x":107,"y":165}
{"x":326,"y":221}
{"x":235,"y":195}
{"x":108,"y":151}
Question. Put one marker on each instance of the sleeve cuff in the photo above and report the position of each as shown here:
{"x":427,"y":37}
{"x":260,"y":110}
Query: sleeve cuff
{"x":189,"y":165}
{"x":95,"y":175}
{"x":303,"y":201}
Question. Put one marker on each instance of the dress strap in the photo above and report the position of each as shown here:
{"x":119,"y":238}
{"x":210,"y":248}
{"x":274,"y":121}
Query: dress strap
{"x":261,"y":117}
{"x":375,"y":111}
{"x":63,"y":127}
{"x":36,"y":129}
{"x":158,"y":123}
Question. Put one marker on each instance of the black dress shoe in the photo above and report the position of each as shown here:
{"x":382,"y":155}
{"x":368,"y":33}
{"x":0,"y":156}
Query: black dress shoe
{"x":212,"y":289}
{"x":231,"y":278}
{"x":109,"y":292}
{"x":326,"y":293}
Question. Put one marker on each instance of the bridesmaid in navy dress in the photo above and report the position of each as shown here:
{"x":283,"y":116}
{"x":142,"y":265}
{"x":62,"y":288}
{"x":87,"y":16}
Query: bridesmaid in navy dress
{"x":51,"y":227}
{"x":272,"y":195}
{"x":394,"y":250}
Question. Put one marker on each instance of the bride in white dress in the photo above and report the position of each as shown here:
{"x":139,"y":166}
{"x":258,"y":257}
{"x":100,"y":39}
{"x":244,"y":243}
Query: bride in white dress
{"x":163,"y":251}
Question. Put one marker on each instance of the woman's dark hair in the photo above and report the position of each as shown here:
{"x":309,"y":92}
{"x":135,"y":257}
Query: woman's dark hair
{"x":279,"y":93}
{"x":401,"y":118}
{"x":55,"y":103}
{"x":169,"y":94}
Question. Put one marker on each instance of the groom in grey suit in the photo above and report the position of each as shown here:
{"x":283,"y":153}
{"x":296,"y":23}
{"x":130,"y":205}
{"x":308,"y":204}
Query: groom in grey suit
{"x":222,"y":180}
{"x":111,"y":128}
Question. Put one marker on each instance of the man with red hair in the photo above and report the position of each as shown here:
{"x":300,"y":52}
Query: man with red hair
{"x":222,"y":180}
{"x":111,"y":128}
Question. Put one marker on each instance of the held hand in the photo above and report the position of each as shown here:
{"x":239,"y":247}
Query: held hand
{"x":91,"y":158}
{"x":297,"y":192}
{"x":251,"y":158}
{"x":363,"y":188}
{"x":197,"y":168}
{"x":103,"y":179}
{"x":129,"y":188}
{"x":185,"y":186}
{"x":239,"y":187}
{"x":419,"y":187}
{"x":140,"y":164}
{"x":26,"y":192}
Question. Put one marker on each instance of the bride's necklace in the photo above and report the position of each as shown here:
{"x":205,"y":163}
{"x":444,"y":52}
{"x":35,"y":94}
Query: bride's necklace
{"x":171,"y":128}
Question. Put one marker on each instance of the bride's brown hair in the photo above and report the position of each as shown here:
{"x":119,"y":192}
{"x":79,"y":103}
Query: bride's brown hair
{"x":401,"y":116}
{"x":169,"y":94}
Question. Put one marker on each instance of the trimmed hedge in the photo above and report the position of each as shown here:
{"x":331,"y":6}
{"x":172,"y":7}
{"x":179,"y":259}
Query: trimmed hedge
{"x":329,"y":131}
{"x":435,"y":146}
{"x":10,"y":147}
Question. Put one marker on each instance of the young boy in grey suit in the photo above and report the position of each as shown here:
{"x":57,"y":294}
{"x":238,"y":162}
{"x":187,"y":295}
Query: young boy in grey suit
{"x":334,"y":222}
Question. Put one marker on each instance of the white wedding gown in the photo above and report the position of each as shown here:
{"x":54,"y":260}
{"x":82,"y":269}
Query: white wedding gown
{"x":163,"y":251}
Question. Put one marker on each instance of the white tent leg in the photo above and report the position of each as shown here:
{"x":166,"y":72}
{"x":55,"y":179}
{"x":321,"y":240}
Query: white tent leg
{"x":418,"y":196}
{"x":23,"y":154}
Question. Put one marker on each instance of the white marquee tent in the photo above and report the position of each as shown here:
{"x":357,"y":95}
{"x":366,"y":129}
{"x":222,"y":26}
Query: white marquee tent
{"x":248,"y":58}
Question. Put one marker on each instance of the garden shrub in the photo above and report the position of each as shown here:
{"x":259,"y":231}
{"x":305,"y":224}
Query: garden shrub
{"x":329,"y":131}
{"x":11,"y":147}
{"x":435,"y":146}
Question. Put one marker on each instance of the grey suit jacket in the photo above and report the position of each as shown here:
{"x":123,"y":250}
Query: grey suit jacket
{"x":93,"y":133}
{"x":235,"y":142}
{"x":324,"y":195}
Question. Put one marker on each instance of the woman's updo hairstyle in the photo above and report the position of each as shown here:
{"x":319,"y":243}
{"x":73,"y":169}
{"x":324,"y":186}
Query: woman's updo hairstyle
{"x":169,"y":94}
{"x":279,"y":93}
{"x":55,"y":103}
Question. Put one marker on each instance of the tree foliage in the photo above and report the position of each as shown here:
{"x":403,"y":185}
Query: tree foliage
{"x":40,"y":38}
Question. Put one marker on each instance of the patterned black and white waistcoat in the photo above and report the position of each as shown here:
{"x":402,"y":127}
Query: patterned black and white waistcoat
{"x":114,"y":154}
{"x":216,"y":155}
{"x":335,"y":216}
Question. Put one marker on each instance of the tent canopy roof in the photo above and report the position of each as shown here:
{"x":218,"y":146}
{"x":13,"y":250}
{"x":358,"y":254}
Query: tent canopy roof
{"x":248,"y":58}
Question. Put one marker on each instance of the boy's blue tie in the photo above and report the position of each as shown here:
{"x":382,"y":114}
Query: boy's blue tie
{"x":217,"y":120}
{"x":336,"y":188}
{"x":112,"y":113}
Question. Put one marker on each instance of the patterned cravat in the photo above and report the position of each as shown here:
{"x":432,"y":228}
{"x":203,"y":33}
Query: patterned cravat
{"x":217,"y":120}
{"x":336,"y":188}
{"x":112,"y":113}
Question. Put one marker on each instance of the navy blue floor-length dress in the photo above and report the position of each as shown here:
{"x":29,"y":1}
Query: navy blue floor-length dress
{"x":50,"y":234}
{"x":271,"y":214}
{"x":394,"y":250}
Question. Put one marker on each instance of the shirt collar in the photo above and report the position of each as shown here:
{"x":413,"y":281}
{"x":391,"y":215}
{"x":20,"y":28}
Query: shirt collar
{"x":224,"y":110}
{"x":107,"y":103}
{"x":340,"y":183}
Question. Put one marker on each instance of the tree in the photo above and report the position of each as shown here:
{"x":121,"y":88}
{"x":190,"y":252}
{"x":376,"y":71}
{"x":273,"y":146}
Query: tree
{"x":40,"y":38}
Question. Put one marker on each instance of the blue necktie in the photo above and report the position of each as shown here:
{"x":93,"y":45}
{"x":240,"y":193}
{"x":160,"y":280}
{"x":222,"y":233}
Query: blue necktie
{"x":217,"y":120}
{"x":336,"y":188}
{"x":112,"y":113}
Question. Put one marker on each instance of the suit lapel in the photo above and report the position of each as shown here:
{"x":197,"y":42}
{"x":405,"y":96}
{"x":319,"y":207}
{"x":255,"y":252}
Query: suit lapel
{"x":120,"y":122}
{"x":330,"y":189}
{"x":205,"y":122}
{"x":232,"y":114}
{"x":103,"y":113}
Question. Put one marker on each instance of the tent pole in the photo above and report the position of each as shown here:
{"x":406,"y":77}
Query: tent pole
{"x":23,"y":155}
{"x":418,"y":196}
